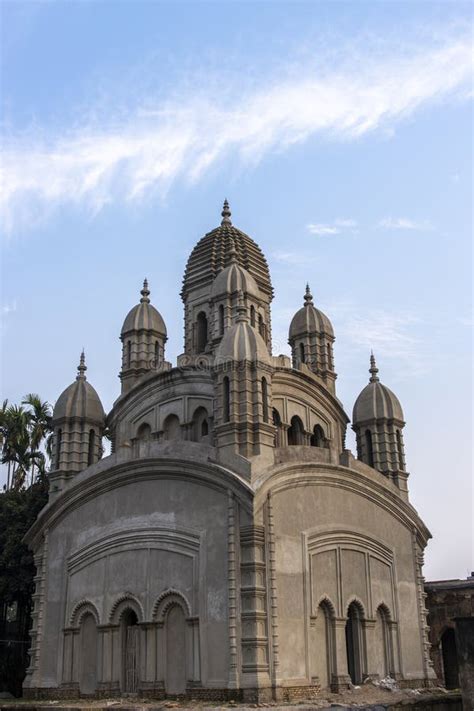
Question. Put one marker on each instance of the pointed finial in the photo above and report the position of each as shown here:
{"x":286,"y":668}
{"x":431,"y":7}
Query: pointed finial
{"x":232,"y":253}
{"x":308,"y":297}
{"x":82,"y":367}
{"x":145,"y":292}
{"x":226,"y":213}
{"x":241,"y":308}
{"x":373,"y":370}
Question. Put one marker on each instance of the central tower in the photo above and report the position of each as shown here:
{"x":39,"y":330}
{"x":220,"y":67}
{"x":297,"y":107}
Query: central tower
{"x":225,"y":262}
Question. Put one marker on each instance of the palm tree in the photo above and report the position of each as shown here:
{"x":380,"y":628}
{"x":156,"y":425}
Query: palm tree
{"x":40,"y":425}
{"x":15,"y":437}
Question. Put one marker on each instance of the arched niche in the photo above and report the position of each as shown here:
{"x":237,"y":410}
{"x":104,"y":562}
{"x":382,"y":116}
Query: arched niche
{"x":88,"y":654}
{"x":324,"y":645}
{"x":201,"y":332}
{"x":383,"y":652}
{"x":277,"y":424}
{"x":171,"y":428}
{"x":200,"y":425}
{"x":296,"y":431}
{"x":144,"y":432}
{"x":318,"y":438}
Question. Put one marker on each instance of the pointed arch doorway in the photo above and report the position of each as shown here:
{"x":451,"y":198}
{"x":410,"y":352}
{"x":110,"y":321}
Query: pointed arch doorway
{"x":130,"y":651}
{"x":355,"y":643}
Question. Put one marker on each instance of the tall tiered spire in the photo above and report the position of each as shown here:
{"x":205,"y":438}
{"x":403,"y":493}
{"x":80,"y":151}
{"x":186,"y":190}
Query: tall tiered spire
{"x":373,"y":370}
{"x":226,"y":213}
{"x":145,"y":292}
{"x":82,"y":367}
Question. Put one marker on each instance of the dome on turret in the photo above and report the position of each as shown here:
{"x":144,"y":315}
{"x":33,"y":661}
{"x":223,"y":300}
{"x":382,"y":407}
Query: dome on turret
{"x":234,"y":278}
{"x":376,"y":401}
{"x":242,"y":341}
{"x":79,"y":400}
{"x":210,"y":256}
{"x":144,"y":316}
{"x":309,"y":319}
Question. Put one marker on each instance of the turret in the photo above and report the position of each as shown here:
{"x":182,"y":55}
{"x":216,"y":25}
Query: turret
{"x":143,"y":339}
{"x":378,"y":421}
{"x":78,"y":425}
{"x":224,"y":262}
{"x":243,"y":372}
{"x":311,"y":338}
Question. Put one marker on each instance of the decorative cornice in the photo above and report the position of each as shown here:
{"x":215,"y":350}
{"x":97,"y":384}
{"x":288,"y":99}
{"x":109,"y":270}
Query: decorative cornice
{"x":132,"y":471}
{"x":297,"y":474}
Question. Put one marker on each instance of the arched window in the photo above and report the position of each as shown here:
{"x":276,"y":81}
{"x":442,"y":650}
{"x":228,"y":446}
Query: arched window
{"x":296,"y":431}
{"x":144,"y":432}
{"x":130,"y":651}
{"x":226,"y":399}
{"x":201,"y":332}
{"x":91,"y":449}
{"x":261,"y":326}
{"x":221,"y":320}
{"x":129,"y":353}
{"x":328,"y":351}
{"x":59,"y":436}
{"x":369,"y":448}
{"x":252,"y":316}
{"x":171,"y":428}
{"x":200,"y":424}
{"x":317,"y":438}
{"x":265,"y":399}
{"x":401,"y":463}
{"x":302,"y":353}
{"x":277,"y":423}
{"x":157,"y":354}
{"x":355,"y":643}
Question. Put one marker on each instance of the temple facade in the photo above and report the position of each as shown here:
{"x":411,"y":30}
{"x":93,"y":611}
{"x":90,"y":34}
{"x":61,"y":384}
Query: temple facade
{"x":230,"y":546}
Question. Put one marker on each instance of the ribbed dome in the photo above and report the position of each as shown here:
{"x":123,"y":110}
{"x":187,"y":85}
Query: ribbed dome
{"x":80,"y":400}
{"x":376,"y":401}
{"x":234,"y":278}
{"x":309,"y":319}
{"x":242,"y":342}
{"x":210,"y":256}
{"x":144,"y":316}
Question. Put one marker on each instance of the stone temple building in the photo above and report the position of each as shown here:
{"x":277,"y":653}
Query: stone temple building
{"x":230,"y":546}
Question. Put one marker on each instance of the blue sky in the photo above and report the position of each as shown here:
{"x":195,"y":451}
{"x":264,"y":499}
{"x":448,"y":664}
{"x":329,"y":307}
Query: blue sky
{"x":341,"y":133}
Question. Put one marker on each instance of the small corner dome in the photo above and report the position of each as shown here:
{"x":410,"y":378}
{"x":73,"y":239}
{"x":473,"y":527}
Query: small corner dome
{"x":376,"y":401}
{"x":242,"y":342}
{"x":309,"y":319}
{"x":144,"y":316}
{"x":80,"y":401}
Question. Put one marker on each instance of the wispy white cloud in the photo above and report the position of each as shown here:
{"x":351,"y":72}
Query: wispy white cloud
{"x":147,"y":149}
{"x":334,"y":228}
{"x":404,"y":223}
{"x":8,"y":308}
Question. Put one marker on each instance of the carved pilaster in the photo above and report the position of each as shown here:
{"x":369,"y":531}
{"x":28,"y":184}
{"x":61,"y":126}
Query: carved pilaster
{"x":254,"y":607}
{"x":232,"y":577}
{"x":272,"y":592}
{"x":418,"y":559}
